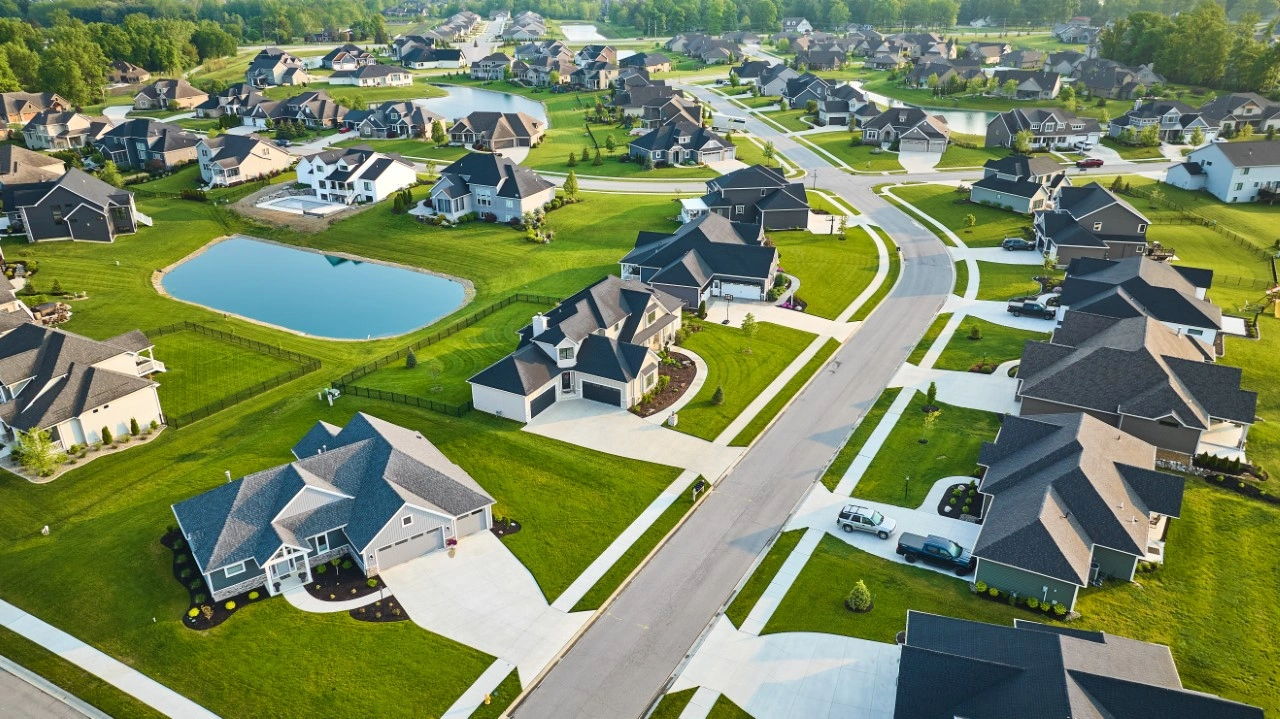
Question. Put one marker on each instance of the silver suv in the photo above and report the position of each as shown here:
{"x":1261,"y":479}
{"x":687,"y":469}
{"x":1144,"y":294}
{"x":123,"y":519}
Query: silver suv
{"x":864,"y":519}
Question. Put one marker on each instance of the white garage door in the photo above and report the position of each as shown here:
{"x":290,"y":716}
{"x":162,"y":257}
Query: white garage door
{"x":406,"y":549}
{"x":472,"y":523}
{"x":741,"y":292}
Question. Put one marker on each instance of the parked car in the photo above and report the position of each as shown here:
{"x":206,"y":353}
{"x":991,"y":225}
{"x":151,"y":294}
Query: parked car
{"x":1088,"y":162}
{"x":283,"y":143}
{"x":1017,"y":243}
{"x":936,"y":550}
{"x":344,"y":130}
{"x":1084,"y":146}
{"x":856,"y":518}
{"x":1020,"y":307}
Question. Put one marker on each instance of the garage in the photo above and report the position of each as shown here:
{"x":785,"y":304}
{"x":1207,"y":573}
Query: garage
{"x":741,"y":291}
{"x":600,"y":393}
{"x":542,"y":401}
{"x":409,"y":548}
{"x":472,"y":523}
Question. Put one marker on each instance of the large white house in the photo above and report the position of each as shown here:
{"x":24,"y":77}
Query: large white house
{"x":1231,"y":171}
{"x":355,"y":175}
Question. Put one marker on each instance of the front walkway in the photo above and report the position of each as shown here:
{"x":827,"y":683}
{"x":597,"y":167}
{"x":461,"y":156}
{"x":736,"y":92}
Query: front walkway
{"x":995,"y":392}
{"x":143,"y":688}
{"x":765,"y":312}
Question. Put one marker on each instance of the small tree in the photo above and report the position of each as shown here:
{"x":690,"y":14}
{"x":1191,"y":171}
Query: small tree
{"x":598,"y":161}
{"x":970,"y":221}
{"x":610,"y":144}
{"x":1067,"y":94}
{"x":1197,"y":136}
{"x":859,"y":599}
{"x":410,"y":360}
{"x":438,"y":134}
{"x":782,"y":105}
{"x":573,"y":160}
{"x":134,"y":429}
{"x":36,"y":452}
{"x":56,"y":289}
{"x":931,"y":396}
{"x":571,"y":184}
{"x":1010,"y":88}
{"x":750,"y":328}
{"x":1117,"y":184}
{"x":554,"y":77}
{"x":769,"y":152}
{"x":811,"y":107}
{"x":648,"y":162}
{"x":1246,"y":131}
{"x":930,"y":419}
{"x":586,"y":155}
{"x":106,"y":435}
{"x":975,"y":332}
{"x":1022,"y":140}
{"x":110,"y":174}
{"x":702,"y":310}
{"x":718,"y":398}
{"x":733,"y":79}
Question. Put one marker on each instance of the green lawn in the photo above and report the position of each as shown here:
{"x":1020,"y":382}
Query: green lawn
{"x":409,"y":147}
{"x":501,"y":697}
{"x":745,"y":601}
{"x":789,"y":119}
{"x":957,"y":156}
{"x":930,"y":336}
{"x":1257,"y":358}
{"x":724,"y":708}
{"x":998,"y":281}
{"x":757,"y":102}
{"x":1240,"y":272}
{"x":203,"y":370}
{"x":789,"y":390}
{"x":752,"y":154}
{"x":952,"y":451}
{"x":673,"y":704}
{"x":962,"y":278}
{"x":835,"y":206}
{"x":198,"y":124}
{"x":944,"y":204}
{"x":743,"y":376}
{"x":887,"y":286}
{"x":862,"y":158}
{"x":998,"y":344}
{"x":444,"y":367}
{"x":880,"y":83}
{"x":631,"y":559}
{"x":188,"y":178}
{"x":844,"y":458}
{"x":1130,"y":152}
{"x":833,"y":269}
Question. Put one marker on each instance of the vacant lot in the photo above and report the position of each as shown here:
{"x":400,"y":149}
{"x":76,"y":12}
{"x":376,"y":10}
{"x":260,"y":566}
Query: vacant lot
{"x":944,"y":204}
{"x":203,"y":370}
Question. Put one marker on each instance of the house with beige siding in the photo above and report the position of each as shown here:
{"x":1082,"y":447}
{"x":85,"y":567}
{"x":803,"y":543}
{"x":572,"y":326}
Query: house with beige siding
{"x":231,"y":159}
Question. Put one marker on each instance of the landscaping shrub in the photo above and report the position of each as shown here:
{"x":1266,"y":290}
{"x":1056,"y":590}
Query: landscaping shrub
{"x":992,"y":591}
{"x":859,"y":599}
{"x":373,"y":583}
{"x":193,"y":612}
{"x":1032,"y":602}
{"x":200,"y":598}
{"x":106,"y":435}
{"x":321,"y":568}
{"x":347,"y":564}
{"x":718,"y":398}
{"x":182,"y":559}
{"x":1060,"y":609}
{"x":230,"y":606}
{"x":980,"y":585}
{"x":253,"y":596}
{"x":184,"y":574}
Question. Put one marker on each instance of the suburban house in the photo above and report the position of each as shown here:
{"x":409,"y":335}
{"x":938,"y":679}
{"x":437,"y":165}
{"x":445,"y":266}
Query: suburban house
{"x":1049,"y":127}
{"x":1231,"y":111}
{"x":143,"y":143}
{"x":1024,"y":60}
{"x":1089,"y":221}
{"x":885,"y":61}
{"x":1110,"y":79}
{"x":545,"y":48}
{"x":1041,"y":670}
{"x":538,"y":71}
{"x":821,"y":59}
{"x":355,"y":175}
{"x":988,"y":53}
{"x":708,"y":49}
{"x":1174,"y":295}
{"x":17,"y":108}
{"x":799,"y":91}
{"x":1019,"y":183}
{"x":647,"y":61}
{"x":1076,"y":31}
{"x":126,"y":73}
{"x":681,"y":142}
{"x":1031,"y":84}
{"x":313,"y":108}
{"x":596,"y":53}
{"x":943,"y":73}
{"x":347,"y":57}
{"x":76,"y":206}
{"x":773,"y":80}
{"x":749,"y":71}
{"x":53,"y":130}
{"x":273,"y":66}
{"x":1068,"y":499}
{"x":655,"y":103}
{"x":1231,"y":171}
{"x":482,"y":182}
{"x":1174,"y":120}
{"x":497,"y":130}
{"x":377,"y":491}
{"x":1142,"y":377}
{"x":165,"y":94}
{"x":601,"y":344}
{"x":74,"y":387}
{"x":594,"y":76}
{"x":20,"y":166}
{"x":526,"y":25}
{"x":757,"y":195}
{"x":237,"y":100}
{"x":231,"y":159}
{"x":391,"y":119}
{"x":492,"y":67}
{"x":1065,"y":62}
{"x":707,"y":257}
{"x":630,"y":76}
{"x":372,"y":76}
{"x":796,"y":24}
{"x":846,"y":105}
{"x":912,"y":128}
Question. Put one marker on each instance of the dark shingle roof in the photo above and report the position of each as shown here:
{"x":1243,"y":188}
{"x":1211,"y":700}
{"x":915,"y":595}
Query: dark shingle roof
{"x":721,"y":248}
{"x":1024,"y":166}
{"x":1139,"y":286}
{"x":491,"y":170}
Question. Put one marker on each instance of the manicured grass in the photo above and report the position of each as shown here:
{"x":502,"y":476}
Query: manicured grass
{"x":789,"y":119}
{"x":998,"y":344}
{"x":1257,"y":358}
{"x":880,"y":83}
{"x":757,"y":102}
{"x":764,"y":573}
{"x":957,"y":156}
{"x":743,"y":376}
{"x":833,"y":269}
{"x":997,"y":281}
{"x":752,"y":154}
{"x":835,"y":206}
{"x":775,"y":405}
{"x":1254,"y":220}
{"x":952,"y":450}
{"x":188,"y":178}
{"x":859,"y":157}
{"x":889,"y":281}
{"x":844,"y":458}
{"x":673,"y":704}
{"x":198,"y":124}
{"x":930,"y":336}
{"x":941,"y":203}
{"x":409,"y":147}
{"x":1240,"y":273}
{"x":444,"y":367}
{"x":1130,"y":152}
{"x":962,"y":278}
{"x":815,"y":603}
{"x":203,"y":370}
{"x":71,"y":678}
{"x":724,"y":708}
{"x":631,"y":559}
{"x":500,"y":698}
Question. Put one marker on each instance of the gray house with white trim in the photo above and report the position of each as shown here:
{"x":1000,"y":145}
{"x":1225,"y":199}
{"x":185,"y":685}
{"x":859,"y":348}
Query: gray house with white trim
{"x":1019,"y":183}
{"x":380,"y":492}
{"x":708,"y":257}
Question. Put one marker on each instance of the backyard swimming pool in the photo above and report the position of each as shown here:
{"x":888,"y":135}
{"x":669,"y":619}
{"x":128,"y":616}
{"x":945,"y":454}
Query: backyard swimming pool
{"x":302,"y":204}
{"x":311,"y":293}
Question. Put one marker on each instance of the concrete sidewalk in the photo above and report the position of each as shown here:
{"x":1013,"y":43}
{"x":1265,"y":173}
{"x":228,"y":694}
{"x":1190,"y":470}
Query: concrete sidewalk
{"x":143,"y":688}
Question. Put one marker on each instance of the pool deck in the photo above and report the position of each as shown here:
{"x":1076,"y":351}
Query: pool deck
{"x":321,"y":208}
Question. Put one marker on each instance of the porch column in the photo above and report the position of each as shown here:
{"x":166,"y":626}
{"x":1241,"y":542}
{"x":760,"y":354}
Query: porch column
{"x":1244,"y":434}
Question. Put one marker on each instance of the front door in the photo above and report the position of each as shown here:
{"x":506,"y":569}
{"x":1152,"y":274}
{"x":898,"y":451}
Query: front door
{"x":566,"y":383}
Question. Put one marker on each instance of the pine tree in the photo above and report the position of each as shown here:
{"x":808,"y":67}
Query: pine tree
{"x":573,"y":160}
{"x":410,"y":360}
{"x":56,"y":289}
{"x":133,"y":426}
{"x":106,"y":435}
{"x":586,"y":155}
{"x":718,"y":398}
{"x":598,"y":161}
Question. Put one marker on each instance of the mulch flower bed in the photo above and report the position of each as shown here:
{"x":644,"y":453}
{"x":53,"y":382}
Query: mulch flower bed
{"x":953,"y":501}
{"x":339,"y":580}
{"x":382,"y":610}
{"x":203,"y":613}
{"x":1248,"y":489}
{"x":679,"y":377}
{"x":505,"y":527}
{"x":1046,"y":611}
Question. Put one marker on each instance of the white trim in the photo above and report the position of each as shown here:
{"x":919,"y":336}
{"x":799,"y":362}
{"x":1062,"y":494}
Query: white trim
{"x":239,"y":568}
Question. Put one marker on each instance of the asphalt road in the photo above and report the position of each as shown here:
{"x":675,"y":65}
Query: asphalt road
{"x":20,"y":700}
{"x":625,"y":657}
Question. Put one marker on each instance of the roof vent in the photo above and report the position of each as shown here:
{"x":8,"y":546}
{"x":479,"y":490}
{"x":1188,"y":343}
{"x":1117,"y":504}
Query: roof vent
{"x":323,"y":448}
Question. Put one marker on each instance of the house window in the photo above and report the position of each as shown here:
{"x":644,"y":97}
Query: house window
{"x":738,"y":209}
{"x":1195,"y":332}
{"x":406,"y":520}
{"x":1245,"y":171}
{"x":566,"y":353}
{"x":484,"y":200}
{"x":1142,"y":229}
{"x":368,"y":187}
{"x":1097,"y":227}
{"x":1239,"y":185}
{"x":57,"y":214}
{"x":653,"y":317}
{"x":322,"y":543}
{"x":235,"y":569}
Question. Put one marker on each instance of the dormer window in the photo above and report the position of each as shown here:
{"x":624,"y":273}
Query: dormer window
{"x":1097,"y":227}
{"x":566,"y":354}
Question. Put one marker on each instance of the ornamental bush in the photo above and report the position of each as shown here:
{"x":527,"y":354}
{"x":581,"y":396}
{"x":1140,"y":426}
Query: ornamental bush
{"x":1060,"y":609}
{"x":1032,"y":602}
{"x":321,"y":568}
{"x":193,"y":612}
{"x":859,"y":599}
{"x":980,"y":585}
{"x":372,"y":583}
{"x":253,"y":596}
{"x":230,"y":606}
{"x":993,"y":591}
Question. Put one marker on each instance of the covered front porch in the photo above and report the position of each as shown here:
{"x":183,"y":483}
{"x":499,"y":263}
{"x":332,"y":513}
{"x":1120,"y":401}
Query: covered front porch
{"x":1224,"y":439}
{"x":287,"y":569}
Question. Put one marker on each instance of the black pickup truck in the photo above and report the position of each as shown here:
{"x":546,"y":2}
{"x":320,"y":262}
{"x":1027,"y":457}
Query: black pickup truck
{"x":936,"y":550}
{"x":1020,"y":307}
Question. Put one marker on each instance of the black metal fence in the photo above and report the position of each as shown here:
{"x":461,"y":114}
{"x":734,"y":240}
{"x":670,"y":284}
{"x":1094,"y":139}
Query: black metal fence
{"x":453,"y":410}
{"x":306,"y":365}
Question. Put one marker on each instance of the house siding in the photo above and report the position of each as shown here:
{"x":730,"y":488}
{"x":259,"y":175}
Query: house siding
{"x":219,"y":581}
{"x":1177,"y":439}
{"x":502,"y":404}
{"x":1024,"y":583}
{"x":785,"y":219}
{"x":395,"y":530}
{"x":1111,"y":563}
{"x":1013,"y":202}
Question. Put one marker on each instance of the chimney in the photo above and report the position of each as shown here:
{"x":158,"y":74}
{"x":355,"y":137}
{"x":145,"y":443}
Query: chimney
{"x":539,"y":324}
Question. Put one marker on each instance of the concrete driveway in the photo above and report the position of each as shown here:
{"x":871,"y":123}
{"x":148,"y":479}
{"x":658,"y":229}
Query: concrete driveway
{"x":615,"y":431}
{"x":998,"y":255}
{"x":995,"y":392}
{"x":726,"y":166}
{"x":997,"y":313}
{"x":765,"y":312}
{"x":919,"y":161}
{"x":484,"y":598}
{"x":796,"y":674}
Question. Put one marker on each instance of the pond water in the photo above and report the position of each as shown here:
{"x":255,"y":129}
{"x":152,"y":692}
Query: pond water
{"x":581,"y":33}
{"x":311,"y":293}
{"x":462,"y":101}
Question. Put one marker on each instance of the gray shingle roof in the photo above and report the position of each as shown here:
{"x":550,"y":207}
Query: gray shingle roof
{"x":18,"y":165}
{"x":722,"y":248}
{"x":1253,"y":153}
{"x":492,"y":170}
{"x":1139,"y":286}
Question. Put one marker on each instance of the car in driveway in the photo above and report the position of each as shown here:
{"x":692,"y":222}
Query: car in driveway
{"x":1089,"y":162}
{"x":857,"y":518}
{"x":1020,"y":306}
{"x":1017,"y":243}
{"x":936,"y":550}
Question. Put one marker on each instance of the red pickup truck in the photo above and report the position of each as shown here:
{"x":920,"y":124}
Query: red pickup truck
{"x":1088,"y":162}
